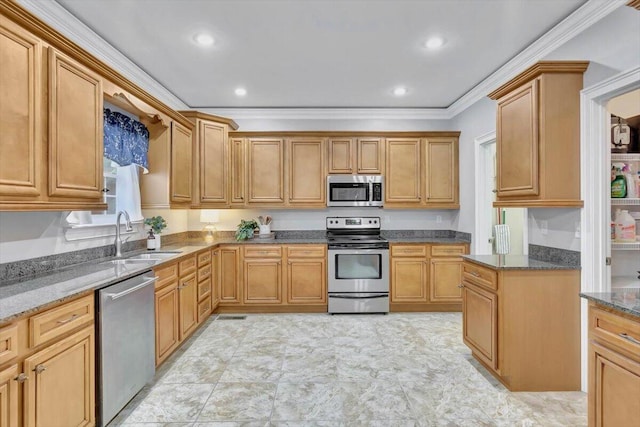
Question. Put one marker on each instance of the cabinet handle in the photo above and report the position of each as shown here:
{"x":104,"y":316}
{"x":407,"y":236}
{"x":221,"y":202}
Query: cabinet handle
{"x":461,"y":286}
{"x":629,"y":338}
{"x":494,"y":191}
{"x":39,"y":369}
{"x":62,"y":322}
{"x":21,"y":378}
{"x":289,"y":262}
{"x":474,"y":274}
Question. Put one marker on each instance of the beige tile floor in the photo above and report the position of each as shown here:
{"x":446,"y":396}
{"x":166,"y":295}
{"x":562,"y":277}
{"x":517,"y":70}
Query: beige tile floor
{"x":322,"y":370}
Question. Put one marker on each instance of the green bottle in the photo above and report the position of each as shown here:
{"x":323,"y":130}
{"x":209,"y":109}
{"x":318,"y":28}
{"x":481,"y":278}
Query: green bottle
{"x":618,"y":186}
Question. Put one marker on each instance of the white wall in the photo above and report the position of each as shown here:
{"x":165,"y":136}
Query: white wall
{"x":315,"y":219}
{"x":561,"y":227}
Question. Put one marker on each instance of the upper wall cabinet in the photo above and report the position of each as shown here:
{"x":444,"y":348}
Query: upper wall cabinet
{"x":441,"y":172}
{"x":404,"y":171}
{"x":306,"y":172}
{"x":181,"y":163}
{"x":351,"y":155}
{"x":212,"y":180}
{"x":265,"y":171}
{"x":54,"y":161}
{"x":538,"y":136}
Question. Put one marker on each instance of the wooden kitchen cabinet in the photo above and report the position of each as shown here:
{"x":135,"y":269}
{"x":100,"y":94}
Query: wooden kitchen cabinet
{"x":538,"y":136}
{"x":441,"y":173}
{"x":341,"y":157}
{"x":181,"y":163}
{"x":61,"y":385}
{"x":262,"y":274}
{"x":445,"y":277}
{"x":229,"y":275}
{"x":204,"y":276}
{"x":403,"y":172}
{"x":306,"y":274}
{"x":265,"y":171}
{"x":9,"y":396}
{"x":215,"y":279}
{"x":515,"y":318}
{"x":409,"y":279}
{"x":356,"y":155}
{"x":21,"y":119}
{"x":370,"y":156}
{"x":167,"y":323}
{"x":307,"y":172}
{"x":49,"y":380}
{"x":614,"y":367}
{"x":238,"y":159}
{"x":188,"y":302}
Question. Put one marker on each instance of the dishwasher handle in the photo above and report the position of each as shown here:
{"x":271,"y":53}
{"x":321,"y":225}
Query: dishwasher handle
{"x":133,"y":289}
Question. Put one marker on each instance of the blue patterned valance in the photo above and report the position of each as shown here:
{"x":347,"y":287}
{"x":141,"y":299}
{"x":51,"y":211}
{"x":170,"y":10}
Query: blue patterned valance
{"x":126,"y":141}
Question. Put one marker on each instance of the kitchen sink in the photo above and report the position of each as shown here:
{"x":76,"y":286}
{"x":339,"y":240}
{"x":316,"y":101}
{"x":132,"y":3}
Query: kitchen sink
{"x":154,"y":256}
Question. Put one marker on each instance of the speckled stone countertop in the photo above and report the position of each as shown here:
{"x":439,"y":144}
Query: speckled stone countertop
{"x":516,"y":262}
{"x":626,"y":300}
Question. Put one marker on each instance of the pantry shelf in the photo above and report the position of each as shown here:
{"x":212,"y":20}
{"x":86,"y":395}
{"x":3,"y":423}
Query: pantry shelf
{"x":625,"y":246}
{"x":633,"y":157}
{"x":627,"y":202}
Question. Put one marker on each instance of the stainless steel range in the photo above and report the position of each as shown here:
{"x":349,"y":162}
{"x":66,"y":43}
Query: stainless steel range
{"x":358,"y":267}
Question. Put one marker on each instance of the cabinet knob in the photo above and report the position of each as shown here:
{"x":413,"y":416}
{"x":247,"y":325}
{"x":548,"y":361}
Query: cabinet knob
{"x":21,"y":378}
{"x":461,"y":286}
{"x":39,"y":369}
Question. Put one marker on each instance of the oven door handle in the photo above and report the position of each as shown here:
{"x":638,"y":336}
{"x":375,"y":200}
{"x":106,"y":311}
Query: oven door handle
{"x":342,"y":296}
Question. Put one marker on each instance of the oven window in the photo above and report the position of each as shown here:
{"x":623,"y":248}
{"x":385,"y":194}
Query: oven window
{"x":361,"y":266}
{"x":349,"y":192}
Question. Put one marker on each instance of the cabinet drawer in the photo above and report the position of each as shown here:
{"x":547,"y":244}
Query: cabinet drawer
{"x":187,"y":266}
{"x":305,"y":251}
{"x":408,"y":250}
{"x":204,"y":289}
{"x":8,"y":343}
{"x":166,"y":275}
{"x":262,"y":251}
{"x":447,"y":250}
{"x":480,"y":276}
{"x":204,"y":258}
{"x":204,"y":272}
{"x":204,"y":309}
{"x":616,"y":330}
{"x":60,"y":320}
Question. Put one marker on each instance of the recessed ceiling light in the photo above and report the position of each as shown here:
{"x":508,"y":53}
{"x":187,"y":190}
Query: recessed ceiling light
{"x":434,"y":43}
{"x":400,"y":91}
{"x":204,"y":39}
{"x":241,"y":91}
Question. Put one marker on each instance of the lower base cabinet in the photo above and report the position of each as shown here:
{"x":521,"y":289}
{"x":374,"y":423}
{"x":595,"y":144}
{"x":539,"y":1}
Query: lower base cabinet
{"x":614,"y":368}
{"x":47,"y":368}
{"x":480,"y":323}
{"x":167,"y":336}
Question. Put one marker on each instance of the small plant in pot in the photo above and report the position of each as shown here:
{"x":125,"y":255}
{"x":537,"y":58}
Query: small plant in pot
{"x":246,"y":229}
{"x":157,"y":224}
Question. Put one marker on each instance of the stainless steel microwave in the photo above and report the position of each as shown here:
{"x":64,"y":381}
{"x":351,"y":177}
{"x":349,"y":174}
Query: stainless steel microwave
{"x":355,"y":190}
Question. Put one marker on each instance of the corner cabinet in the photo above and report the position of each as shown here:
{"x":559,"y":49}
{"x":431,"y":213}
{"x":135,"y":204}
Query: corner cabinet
{"x":538,"y":136}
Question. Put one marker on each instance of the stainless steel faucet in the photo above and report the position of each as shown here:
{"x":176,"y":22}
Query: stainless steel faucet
{"x":118,"y":242}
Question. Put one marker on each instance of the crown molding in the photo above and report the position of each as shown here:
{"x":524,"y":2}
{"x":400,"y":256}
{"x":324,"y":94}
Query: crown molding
{"x":331,"y":113}
{"x":591,"y":12}
{"x":67,"y":24}
{"x":587,"y":15}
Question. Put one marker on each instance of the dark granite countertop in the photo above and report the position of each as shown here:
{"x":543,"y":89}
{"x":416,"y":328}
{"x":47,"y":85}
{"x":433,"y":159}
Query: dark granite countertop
{"x":516,"y":262}
{"x":626,"y":300}
{"x":437,"y":240}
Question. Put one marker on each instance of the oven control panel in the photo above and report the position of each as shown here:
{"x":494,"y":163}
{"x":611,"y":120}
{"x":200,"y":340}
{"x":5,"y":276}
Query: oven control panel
{"x":366,"y":222}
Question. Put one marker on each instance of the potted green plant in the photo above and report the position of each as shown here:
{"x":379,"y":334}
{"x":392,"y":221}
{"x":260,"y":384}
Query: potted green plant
{"x":157,"y":224}
{"x":246,"y":229}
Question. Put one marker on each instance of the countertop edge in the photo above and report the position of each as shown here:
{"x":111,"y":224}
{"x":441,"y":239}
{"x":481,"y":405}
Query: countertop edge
{"x":543,"y":265}
{"x":611,"y":305}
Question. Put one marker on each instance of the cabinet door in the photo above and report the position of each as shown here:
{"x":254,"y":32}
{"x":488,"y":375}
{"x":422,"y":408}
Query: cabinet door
{"x":266,"y":171}
{"x":20,"y":121}
{"x":9,"y":397}
{"x":445,"y":279}
{"x":262,"y":281}
{"x":214,"y":169}
{"x":370,"y":155}
{"x":614,"y":389}
{"x":215,"y":270}
{"x":229,"y":274}
{"x":441,"y":172}
{"x":167,"y":325}
{"x":75,"y":129}
{"x":307,"y":281}
{"x":181,"y":166}
{"x":237,"y":170}
{"x":341,"y":155}
{"x":409,"y":280}
{"x":60,"y":390}
{"x":402,"y":184}
{"x":188,"y":300}
{"x":480,"y":323}
{"x":518,"y":143}
{"x":306,"y":172}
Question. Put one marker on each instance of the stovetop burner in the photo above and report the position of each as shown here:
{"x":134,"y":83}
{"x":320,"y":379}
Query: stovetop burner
{"x":352,"y":232}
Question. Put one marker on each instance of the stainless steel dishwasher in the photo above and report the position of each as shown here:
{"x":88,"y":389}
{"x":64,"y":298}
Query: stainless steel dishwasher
{"x":126,"y":340}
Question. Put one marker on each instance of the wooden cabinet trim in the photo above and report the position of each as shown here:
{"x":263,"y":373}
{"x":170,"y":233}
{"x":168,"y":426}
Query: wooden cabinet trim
{"x":9,"y":348}
{"x":54,"y":323}
{"x":487,"y":353}
{"x":480,"y":276}
{"x":262,"y":251}
{"x":187,"y":266}
{"x":417,"y":250}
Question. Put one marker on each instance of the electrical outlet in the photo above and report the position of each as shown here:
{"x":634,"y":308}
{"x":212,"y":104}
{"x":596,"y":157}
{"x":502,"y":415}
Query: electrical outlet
{"x":544,"y":227}
{"x":438,"y":219}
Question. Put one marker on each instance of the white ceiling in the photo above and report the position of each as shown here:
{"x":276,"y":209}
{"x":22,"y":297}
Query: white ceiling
{"x":320,"y":53}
